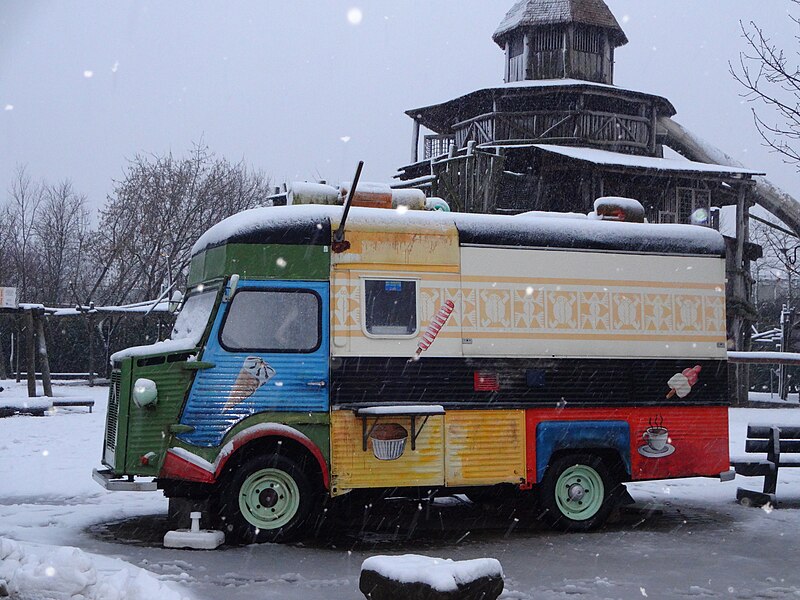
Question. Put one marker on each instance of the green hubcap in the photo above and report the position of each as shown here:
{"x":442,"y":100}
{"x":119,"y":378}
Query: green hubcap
{"x":580,"y":492}
{"x":269,"y":499}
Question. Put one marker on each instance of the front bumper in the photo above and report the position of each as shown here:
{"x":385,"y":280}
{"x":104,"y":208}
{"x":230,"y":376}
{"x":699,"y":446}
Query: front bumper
{"x":115,"y":484}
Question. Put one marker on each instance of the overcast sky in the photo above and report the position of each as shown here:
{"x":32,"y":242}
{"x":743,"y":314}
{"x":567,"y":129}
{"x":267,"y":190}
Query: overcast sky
{"x":302,"y":89}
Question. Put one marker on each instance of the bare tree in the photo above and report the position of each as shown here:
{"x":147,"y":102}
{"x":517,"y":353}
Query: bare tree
{"x":771,"y":79}
{"x":19,"y":216}
{"x":157,"y":212}
{"x":62,"y":231}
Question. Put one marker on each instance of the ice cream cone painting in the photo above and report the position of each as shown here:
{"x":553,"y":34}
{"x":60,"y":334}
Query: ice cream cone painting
{"x":682,"y":383}
{"x":254,"y":373}
{"x":436,"y":324}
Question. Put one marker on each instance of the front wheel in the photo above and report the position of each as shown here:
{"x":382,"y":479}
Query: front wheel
{"x":266,"y":499}
{"x":577,"y":492}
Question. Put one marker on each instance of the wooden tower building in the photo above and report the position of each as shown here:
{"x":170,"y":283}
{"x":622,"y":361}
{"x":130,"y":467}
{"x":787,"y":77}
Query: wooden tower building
{"x":558,"y":134}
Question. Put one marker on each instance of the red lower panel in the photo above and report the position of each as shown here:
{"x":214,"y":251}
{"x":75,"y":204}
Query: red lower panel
{"x":666,"y":442}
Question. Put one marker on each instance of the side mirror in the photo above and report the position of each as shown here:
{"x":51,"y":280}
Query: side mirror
{"x":232,"y":285}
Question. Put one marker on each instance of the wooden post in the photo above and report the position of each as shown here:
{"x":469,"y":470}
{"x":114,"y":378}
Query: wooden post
{"x":415,"y":143}
{"x":17,"y":321}
{"x":740,"y":322}
{"x":30,"y":353}
{"x":654,"y":132}
{"x":44,"y":360}
{"x":507,"y":76}
{"x":568,"y":43}
{"x":3,"y":362}
{"x":90,"y":330}
{"x":526,"y":58}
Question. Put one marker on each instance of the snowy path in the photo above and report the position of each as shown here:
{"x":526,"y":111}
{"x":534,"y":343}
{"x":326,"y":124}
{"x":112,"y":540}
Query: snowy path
{"x":685,"y":538}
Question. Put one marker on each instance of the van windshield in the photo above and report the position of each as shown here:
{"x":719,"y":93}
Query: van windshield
{"x":194,"y":315}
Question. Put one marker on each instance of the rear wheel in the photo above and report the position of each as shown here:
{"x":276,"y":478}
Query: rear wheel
{"x":577,"y":492}
{"x":266,"y":499}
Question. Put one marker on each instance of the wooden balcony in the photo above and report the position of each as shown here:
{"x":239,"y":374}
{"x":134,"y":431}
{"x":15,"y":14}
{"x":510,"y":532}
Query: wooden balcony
{"x":595,"y":129}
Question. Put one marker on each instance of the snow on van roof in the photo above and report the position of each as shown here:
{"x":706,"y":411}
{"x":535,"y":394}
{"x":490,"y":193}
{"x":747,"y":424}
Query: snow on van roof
{"x":313,"y":225}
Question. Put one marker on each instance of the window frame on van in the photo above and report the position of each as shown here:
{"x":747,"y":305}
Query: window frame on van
{"x":389,"y":336}
{"x":272,"y":350}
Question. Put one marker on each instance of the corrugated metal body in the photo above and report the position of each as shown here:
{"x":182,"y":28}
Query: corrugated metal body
{"x":223,"y":396}
{"x":353,"y":468}
{"x":212,"y":413}
{"x":484,"y":447}
{"x":698,"y":438}
{"x":148,"y":427}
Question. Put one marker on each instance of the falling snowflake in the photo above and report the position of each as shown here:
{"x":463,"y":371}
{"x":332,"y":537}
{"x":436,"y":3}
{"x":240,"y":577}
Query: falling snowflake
{"x":88,"y":74}
{"x":9,"y":107}
{"x":355,"y":16}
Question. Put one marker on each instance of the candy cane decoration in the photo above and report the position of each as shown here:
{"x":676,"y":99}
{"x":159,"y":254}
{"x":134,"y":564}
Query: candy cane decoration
{"x":436,"y":324}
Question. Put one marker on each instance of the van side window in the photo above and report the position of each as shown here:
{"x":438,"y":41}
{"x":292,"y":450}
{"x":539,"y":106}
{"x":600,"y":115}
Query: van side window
{"x":272,"y":321}
{"x":390,"y":307}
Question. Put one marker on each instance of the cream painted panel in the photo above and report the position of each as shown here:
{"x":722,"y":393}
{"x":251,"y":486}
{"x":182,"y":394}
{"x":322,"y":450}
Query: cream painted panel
{"x":519,"y":302}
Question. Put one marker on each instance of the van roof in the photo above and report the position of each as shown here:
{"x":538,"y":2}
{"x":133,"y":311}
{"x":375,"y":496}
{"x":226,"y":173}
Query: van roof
{"x":313,"y":225}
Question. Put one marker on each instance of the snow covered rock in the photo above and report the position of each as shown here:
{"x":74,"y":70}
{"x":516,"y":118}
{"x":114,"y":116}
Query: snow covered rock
{"x":62,"y":573}
{"x":414,"y":577}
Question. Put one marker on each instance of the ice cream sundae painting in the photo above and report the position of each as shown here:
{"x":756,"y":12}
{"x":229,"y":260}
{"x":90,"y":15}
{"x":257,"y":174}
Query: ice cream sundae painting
{"x":657,"y":440}
{"x":255,"y":372}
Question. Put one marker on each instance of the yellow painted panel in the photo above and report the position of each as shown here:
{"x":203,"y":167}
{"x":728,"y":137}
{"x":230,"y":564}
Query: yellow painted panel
{"x":438,"y":248}
{"x":352,"y":468}
{"x":485,"y":447}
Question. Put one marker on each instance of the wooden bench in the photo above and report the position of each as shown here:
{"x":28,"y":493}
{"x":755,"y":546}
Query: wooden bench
{"x":76,"y":402}
{"x":775,"y":441}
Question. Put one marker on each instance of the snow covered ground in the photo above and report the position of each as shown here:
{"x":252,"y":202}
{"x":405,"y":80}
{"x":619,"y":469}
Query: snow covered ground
{"x":682,"y":539}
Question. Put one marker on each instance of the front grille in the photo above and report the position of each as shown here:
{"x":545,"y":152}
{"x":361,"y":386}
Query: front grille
{"x":113,"y":410}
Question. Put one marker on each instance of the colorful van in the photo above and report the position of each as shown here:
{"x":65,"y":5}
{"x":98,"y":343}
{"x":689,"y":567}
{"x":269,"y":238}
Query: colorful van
{"x":438,"y":351}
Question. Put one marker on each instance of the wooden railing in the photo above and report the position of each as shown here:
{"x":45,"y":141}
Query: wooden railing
{"x":436,"y":145}
{"x":593,"y":128}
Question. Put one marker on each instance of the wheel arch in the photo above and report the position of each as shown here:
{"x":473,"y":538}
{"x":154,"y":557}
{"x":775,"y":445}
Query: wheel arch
{"x":610,"y":440}
{"x":272,"y":438}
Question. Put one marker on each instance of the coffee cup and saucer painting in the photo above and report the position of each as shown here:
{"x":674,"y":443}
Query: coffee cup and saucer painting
{"x":657,"y":445}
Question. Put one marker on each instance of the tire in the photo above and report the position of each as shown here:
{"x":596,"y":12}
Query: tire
{"x":266,"y":499}
{"x":577,"y":492}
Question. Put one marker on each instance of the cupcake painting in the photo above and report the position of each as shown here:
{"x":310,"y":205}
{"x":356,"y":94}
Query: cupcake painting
{"x":388,"y":441}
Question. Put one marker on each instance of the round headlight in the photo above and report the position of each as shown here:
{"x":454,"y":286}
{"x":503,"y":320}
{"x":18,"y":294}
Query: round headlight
{"x":145,"y":393}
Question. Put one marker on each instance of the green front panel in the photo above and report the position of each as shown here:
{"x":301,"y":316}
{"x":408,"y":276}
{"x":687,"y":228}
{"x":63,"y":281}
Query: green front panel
{"x":255,"y":261}
{"x":148,"y":428}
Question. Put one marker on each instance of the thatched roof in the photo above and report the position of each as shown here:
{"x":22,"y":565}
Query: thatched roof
{"x":533,"y":13}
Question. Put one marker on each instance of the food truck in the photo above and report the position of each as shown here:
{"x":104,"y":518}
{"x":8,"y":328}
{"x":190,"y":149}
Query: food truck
{"x":429,"y":351}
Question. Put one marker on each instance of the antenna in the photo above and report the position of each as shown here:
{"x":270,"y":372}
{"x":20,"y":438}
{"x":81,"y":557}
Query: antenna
{"x":339,"y":243}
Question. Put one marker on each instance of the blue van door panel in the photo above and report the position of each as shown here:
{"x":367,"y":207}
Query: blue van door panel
{"x":244,"y":382}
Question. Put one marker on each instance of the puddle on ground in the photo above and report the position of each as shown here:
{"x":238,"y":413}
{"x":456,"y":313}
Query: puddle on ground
{"x":411,"y":525}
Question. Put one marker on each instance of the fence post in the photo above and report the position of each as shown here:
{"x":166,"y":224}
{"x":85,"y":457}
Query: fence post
{"x":30,"y":353}
{"x":44,"y":359}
